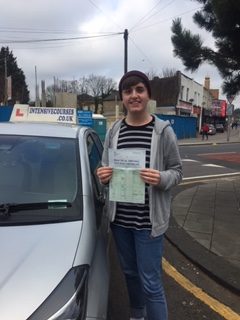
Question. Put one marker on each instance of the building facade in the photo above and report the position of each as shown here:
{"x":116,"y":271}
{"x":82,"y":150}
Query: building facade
{"x":177,"y":95}
{"x":180,"y":95}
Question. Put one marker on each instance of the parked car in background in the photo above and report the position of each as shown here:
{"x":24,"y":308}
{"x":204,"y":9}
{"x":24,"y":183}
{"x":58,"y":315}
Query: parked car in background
{"x":53,"y":232}
{"x":219,"y":127}
{"x":212,"y":129}
{"x":234,"y":125}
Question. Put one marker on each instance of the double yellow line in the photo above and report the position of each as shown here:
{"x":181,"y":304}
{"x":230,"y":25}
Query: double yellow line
{"x":214,"y":304}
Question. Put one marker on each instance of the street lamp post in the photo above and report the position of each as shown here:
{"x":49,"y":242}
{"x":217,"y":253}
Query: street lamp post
{"x":125,"y":36}
{"x":201,"y":116}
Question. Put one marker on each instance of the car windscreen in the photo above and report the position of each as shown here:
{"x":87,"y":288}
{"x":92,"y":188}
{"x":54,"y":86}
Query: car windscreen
{"x":39,"y":179}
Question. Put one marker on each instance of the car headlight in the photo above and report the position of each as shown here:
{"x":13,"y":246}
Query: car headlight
{"x":68,"y":300}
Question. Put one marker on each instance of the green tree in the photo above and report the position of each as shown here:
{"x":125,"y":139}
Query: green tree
{"x":222,"y":19}
{"x":8,"y":64}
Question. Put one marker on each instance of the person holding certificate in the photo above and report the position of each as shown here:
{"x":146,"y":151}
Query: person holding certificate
{"x":141,"y":151}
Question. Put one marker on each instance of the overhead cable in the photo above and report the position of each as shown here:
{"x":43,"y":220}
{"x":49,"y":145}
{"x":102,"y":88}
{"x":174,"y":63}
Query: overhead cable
{"x":167,"y":19}
{"x":59,"y":39}
{"x":146,"y":17}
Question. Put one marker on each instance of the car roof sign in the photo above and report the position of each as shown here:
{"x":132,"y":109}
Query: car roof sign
{"x":26,"y":113}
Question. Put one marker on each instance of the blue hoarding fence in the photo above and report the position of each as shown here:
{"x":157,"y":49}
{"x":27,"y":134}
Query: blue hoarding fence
{"x":5,"y":113}
{"x":184,"y":127}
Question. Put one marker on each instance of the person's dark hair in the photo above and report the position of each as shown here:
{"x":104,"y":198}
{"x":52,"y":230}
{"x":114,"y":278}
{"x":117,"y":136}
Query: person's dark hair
{"x":131,"y":81}
{"x":132,"y":78}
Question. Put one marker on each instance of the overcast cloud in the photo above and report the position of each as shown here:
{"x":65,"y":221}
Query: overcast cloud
{"x":149,"y":45}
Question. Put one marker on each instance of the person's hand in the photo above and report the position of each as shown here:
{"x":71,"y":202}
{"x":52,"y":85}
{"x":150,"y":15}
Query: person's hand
{"x":104,"y":174}
{"x":150,"y":176}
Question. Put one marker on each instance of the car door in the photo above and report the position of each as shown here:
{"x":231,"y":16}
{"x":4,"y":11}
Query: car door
{"x":95,"y":149}
{"x":98,"y":294}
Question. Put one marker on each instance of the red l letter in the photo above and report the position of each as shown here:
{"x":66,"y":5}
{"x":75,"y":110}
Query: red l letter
{"x":18,"y":113}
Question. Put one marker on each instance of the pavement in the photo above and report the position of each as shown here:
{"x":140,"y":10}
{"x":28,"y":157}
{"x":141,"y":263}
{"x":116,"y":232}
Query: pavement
{"x":205,"y":221}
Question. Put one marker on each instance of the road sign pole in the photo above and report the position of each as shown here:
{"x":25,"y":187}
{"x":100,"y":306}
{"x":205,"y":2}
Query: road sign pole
{"x":228,"y":129}
{"x":230,"y":108}
{"x":229,"y":113}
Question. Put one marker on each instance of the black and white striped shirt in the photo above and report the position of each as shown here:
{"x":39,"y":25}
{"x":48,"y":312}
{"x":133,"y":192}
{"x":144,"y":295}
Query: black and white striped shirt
{"x":132,"y":215}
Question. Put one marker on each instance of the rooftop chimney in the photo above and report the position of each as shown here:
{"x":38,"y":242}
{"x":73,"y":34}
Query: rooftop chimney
{"x":207,"y":83}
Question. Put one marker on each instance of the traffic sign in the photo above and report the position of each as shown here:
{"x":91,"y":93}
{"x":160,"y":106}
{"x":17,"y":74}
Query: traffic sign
{"x":230,"y":98}
{"x":85,"y":118}
{"x":230,"y":109}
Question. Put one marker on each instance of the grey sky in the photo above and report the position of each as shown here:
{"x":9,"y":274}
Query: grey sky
{"x":149,"y":46}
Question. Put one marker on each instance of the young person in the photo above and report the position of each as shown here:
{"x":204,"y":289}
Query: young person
{"x":138,"y":229}
{"x":205,"y":130}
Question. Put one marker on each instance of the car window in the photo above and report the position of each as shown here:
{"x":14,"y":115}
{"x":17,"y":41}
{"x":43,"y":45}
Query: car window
{"x":37,"y":170}
{"x":94,"y":146}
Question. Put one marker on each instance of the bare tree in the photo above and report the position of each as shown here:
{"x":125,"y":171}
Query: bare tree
{"x":168,"y":72}
{"x":82,"y":85}
{"x":97,"y":86}
{"x":152,"y":74}
{"x":73,"y":86}
{"x":109,"y":85}
{"x":50,"y":95}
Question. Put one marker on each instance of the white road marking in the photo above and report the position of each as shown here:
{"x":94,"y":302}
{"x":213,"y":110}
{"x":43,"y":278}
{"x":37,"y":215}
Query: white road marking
{"x":212,"y":176}
{"x":212,"y":165}
{"x":216,"y":153}
{"x":190,"y":160}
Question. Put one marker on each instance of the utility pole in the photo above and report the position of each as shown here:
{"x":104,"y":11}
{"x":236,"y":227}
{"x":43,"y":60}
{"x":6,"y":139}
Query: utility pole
{"x":125,"y":36}
{"x":54,"y":93}
{"x":43,"y":93}
{"x":36,"y":90}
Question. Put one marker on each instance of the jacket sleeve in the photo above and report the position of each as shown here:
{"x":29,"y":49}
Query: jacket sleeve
{"x":172,"y":173}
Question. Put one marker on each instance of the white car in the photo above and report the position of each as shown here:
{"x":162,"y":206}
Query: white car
{"x":53,"y":232}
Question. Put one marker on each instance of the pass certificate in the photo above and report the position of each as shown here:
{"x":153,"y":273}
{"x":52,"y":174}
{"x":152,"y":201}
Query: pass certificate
{"x":126,"y":184}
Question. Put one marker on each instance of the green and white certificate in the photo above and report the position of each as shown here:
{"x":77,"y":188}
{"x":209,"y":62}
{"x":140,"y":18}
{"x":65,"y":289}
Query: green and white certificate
{"x":126,"y":184}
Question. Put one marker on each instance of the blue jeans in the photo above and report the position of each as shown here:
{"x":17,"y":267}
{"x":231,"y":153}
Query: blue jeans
{"x":141,"y":261}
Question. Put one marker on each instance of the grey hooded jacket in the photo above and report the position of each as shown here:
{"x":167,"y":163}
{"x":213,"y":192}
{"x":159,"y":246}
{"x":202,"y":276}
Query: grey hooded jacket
{"x":165,"y":158}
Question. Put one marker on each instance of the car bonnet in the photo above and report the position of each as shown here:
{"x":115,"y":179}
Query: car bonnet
{"x":34,"y":259}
